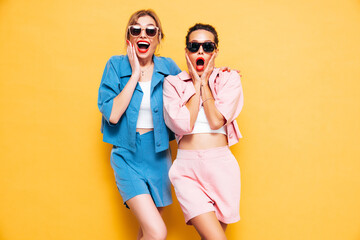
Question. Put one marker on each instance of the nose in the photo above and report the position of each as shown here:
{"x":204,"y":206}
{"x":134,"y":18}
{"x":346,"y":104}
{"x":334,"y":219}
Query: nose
{"x":143,"y":33}
{"x":201,"y":50}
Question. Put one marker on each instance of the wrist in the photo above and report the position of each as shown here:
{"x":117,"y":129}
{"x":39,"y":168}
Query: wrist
{"x":197,"y":85}
{"x":204,"y":84}
{"x":209,"y":98}
{"x":136,"y":75}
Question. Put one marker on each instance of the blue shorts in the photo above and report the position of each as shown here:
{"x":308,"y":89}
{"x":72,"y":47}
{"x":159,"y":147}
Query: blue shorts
{"x":143,"y":171}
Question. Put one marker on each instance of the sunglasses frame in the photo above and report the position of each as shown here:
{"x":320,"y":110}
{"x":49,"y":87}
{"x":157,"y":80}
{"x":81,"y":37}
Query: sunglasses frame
{"x":189,"y":46}
{"x":143,"y":28}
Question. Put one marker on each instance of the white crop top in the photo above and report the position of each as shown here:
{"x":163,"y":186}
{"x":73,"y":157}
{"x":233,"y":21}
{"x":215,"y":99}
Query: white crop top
{"x":145,"y":119}
{"x":202,"y":124}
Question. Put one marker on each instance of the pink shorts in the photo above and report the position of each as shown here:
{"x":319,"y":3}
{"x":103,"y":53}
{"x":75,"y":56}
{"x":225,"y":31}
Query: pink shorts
{"x":207,"y":180}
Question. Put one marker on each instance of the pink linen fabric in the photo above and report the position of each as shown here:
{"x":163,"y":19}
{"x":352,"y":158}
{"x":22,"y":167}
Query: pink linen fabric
{"x":227,"y":91}
{"x":207,"y":180}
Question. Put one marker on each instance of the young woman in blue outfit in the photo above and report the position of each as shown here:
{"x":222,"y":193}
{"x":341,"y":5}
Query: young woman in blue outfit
{"x":131,"y":102}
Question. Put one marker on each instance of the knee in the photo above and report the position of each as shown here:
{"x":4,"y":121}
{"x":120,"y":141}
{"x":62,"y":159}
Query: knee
{"x":158,"y":233}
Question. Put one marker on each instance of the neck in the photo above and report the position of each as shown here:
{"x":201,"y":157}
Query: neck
{"x":146,"y":62}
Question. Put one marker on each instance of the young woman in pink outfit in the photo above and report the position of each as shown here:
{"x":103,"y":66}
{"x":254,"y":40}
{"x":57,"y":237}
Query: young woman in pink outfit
{"x":200,"y":108}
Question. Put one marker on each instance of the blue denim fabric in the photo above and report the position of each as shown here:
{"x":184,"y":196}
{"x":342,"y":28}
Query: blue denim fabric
{"x":123,"y":134}
{"x":143,"y":171}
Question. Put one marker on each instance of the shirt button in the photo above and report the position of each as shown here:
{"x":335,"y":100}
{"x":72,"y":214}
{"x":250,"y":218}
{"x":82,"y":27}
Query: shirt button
{"x":156,"y":110}
{"x":158,"y":144}
{"x":230,"y":135}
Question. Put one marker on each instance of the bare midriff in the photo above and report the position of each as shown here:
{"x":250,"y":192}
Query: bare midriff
{"x":202,"y":141}
{"x":143,"y":130}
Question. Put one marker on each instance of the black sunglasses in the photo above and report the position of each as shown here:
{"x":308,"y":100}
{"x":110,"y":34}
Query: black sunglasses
{"x":208,"y":47}
{"x":150,"y":31}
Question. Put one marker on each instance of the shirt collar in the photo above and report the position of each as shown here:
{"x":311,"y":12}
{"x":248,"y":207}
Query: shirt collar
{"x":185,"y":76}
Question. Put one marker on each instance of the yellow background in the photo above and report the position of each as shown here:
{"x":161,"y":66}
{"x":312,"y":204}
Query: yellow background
{"x":300,"y":155}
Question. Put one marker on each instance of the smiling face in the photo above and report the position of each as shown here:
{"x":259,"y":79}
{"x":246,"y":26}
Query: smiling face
{"x":145,"y":46}
{"x":200,"y":59}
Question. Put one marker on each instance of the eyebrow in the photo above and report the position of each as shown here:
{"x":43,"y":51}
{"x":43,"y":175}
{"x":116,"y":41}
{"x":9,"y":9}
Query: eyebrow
{"x":202,"y":42}
{"x":145,"y":25}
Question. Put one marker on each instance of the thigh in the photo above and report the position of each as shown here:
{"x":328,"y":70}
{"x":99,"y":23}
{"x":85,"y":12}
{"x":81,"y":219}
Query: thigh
{"x":224,"y":226}
{"x":208,"y":226}
{"x":146,"y":212}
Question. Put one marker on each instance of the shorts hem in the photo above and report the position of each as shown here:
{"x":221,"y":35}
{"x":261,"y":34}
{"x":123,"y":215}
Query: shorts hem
{"x":187,"y":220}
{"x":228,"y":220}
{"x":221,"y":219}
{"x":163,"y":204}
{"x":157,"y":204}
{"x":132,"y":196}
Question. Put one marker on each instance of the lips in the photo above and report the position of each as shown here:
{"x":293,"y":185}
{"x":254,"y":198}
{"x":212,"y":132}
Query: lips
{"x":143,"y":46}
{"x":200,"y":63}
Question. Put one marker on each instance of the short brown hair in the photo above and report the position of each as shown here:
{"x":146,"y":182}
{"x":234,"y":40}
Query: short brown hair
{"x":144,"y":12}
{"x":201,"y":26}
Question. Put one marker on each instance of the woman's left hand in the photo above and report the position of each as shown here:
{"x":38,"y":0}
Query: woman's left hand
{"x":209,"y":69}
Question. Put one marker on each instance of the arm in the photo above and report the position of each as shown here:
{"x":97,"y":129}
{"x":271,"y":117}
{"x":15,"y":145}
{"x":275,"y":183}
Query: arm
{"x":193,"y":105}
{"x":176,"y":114}
{"x":215,"y":118}
{"x":122,"y":100}
{"x":229,"y":99}
{"x":194,"y":101}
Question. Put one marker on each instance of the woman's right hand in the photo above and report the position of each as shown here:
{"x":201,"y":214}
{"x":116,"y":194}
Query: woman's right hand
{"x":133,"y":59}
{"x":192,"y":72}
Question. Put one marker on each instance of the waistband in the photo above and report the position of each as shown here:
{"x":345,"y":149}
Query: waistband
{"x":205,"y":154}
{"x":148,"y":136}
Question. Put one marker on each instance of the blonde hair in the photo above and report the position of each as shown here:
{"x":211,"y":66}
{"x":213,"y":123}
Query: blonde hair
{"x":144,"y":12}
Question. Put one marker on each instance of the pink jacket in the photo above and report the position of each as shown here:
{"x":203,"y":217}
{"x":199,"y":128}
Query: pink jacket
{"x":229,"y":100}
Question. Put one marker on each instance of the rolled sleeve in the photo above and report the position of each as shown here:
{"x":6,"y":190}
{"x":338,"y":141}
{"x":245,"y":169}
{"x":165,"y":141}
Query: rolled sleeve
{"x":229,"y":99}
{"x":108,"y":90}
{"x":176,"y":114}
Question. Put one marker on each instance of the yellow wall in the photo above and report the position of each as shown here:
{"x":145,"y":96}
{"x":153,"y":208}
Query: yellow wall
{"x":300,"y":158}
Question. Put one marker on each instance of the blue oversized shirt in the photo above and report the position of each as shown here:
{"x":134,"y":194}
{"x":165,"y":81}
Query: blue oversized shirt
{"x":116,"y":74}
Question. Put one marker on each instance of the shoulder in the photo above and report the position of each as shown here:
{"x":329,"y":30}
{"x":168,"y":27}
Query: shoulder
{"x":118,"y":59}
{"x":182,"y":77}
{"x":166,"y":60}
{"x":173,"y":80}
{"x":177,"y":81}
{"x":231,"y":77}
{"x":166,"y":65}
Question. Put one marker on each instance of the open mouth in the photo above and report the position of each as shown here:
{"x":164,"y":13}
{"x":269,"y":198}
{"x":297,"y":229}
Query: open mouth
{"x":200,"y":62}
{"x":143,"y":46}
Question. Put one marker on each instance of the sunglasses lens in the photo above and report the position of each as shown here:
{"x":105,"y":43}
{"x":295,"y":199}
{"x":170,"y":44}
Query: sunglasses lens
{"x":151,"y":31}
{"x":208,"y":47}
{"x":135,"y":30}
{"x":193,"y":46}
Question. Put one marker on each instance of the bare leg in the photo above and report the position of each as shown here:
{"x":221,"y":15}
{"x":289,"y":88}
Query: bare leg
{"x":223,"y":225}
{"x":152,"y":226}
{"x":140,"y":234}
{"x":209,"y":227}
